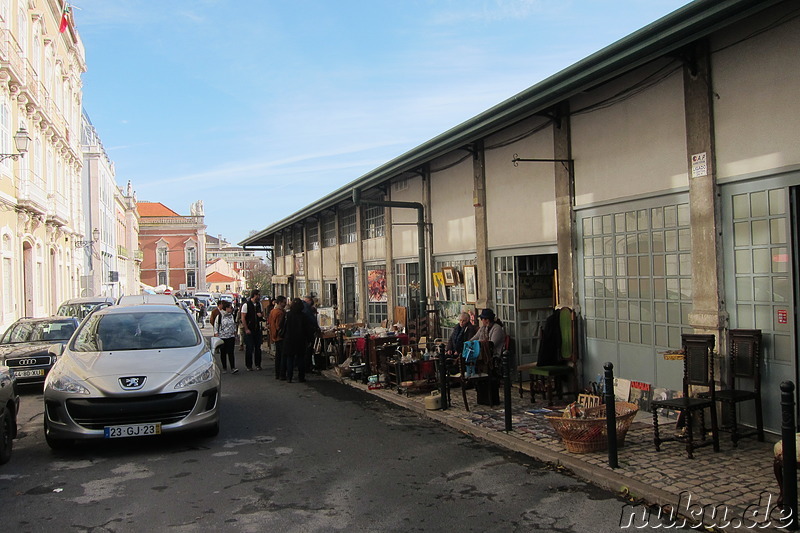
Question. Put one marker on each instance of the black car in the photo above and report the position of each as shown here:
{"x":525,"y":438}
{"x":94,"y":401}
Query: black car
{"x":24,"y":346}
{"x":9,"y":407}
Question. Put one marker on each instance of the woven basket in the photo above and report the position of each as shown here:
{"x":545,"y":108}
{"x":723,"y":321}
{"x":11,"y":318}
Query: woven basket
{"x":582,"y":435}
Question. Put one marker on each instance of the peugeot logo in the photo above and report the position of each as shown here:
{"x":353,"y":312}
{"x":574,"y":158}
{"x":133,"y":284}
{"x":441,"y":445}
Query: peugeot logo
{"x":133,"y":382}
{"x":26,"y":362}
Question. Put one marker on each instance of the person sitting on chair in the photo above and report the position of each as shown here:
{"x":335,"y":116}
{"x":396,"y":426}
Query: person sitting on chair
{"x":464,"y":331}
{"x":491,"y":330}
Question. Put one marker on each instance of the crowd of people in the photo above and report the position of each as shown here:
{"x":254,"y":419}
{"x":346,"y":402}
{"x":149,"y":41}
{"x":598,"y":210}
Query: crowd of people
{"x":290,"y":328}
{"x":289,"y":333}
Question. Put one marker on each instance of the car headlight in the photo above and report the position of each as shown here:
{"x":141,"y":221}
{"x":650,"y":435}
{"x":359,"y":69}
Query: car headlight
{"x":205,"y":373}
{"x":67,"y":384}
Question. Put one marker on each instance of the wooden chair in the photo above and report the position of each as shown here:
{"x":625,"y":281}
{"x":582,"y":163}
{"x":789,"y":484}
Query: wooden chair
{"x":698,"y":370}
{"x":744,"y":361}
{"x":554,"y":376}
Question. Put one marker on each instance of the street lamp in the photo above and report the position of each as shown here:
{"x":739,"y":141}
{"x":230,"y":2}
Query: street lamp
{"x":95,"y":238}
{"x":21,"y":141}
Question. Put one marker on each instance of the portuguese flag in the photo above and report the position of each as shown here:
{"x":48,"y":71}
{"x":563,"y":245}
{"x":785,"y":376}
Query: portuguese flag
{"x":64,"y":19}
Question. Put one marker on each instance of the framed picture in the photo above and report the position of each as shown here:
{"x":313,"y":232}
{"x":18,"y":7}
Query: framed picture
{"x":449,"y":276}
{"x":438,"y":286}
{"x":471,"y":284}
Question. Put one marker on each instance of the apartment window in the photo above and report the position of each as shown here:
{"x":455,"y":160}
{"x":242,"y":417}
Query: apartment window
{"x":373,"y":222}
{"x":347,"y":225}
{"x":329,"y":230}
{"x":191,"y":259}
{"x":161,"y":259}
{"x":191,"y":278}
{"x":162,"y":278}
{"x":312,"y":229}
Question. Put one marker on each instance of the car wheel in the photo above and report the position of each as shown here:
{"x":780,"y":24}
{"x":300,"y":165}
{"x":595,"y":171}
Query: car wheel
{"x":55,"y":444}
{"x":6,"y":436}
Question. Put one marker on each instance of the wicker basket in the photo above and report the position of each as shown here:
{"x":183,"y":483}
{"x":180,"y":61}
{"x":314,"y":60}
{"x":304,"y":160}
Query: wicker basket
{"x":582,"y":435}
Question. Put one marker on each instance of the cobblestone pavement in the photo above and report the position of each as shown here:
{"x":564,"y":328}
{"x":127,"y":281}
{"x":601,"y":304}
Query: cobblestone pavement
{"x":739,"y":480}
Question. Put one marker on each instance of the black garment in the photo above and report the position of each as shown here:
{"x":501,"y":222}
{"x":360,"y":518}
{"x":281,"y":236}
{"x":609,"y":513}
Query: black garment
{"x":226,"y":353}
{"x":299,"y":333}
{"x":550,"y":345}
{"x":252,"y":321}
{"x":460,"y":334}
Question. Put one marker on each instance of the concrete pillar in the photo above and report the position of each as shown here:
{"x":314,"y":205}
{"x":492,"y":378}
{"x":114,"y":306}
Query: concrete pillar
{"x":361,"y":282}
{"x":707,"y":314}
{"x":565,"y":201}
{"x":483,"y":261}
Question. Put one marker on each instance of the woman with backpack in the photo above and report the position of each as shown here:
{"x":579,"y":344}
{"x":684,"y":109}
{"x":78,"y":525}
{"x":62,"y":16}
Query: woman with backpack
{"x":225,"y":328}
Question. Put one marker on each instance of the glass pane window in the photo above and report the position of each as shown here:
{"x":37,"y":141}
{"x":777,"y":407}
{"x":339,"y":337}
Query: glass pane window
{"x":374,"y":222}
{"x":347,"y":225}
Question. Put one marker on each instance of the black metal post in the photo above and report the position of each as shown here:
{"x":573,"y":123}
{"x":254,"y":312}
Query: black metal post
{"x":442,"y":376}
{"x":506,"y":357}
{"x":788,"y":434}
{"x":611,"y":415}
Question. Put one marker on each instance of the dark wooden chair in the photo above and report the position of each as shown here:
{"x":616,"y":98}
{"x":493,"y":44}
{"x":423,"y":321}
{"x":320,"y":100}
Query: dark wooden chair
{"x":698,"y":370}
{"x":744,"y":361}
{"x":553,"y":377}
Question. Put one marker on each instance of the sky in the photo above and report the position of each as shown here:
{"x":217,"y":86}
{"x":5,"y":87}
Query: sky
{"x":260,"y":107}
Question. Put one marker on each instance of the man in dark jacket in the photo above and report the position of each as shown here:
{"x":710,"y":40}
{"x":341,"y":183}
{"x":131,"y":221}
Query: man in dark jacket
{"x":252,"y":316}
{"x":464,"y":331}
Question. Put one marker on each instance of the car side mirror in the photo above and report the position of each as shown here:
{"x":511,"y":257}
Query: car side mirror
{"x":56,"y":349}
{"x":216,"y":342}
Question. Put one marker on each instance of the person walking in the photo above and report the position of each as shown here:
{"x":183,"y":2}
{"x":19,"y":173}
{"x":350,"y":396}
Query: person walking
{"x":298,"y":334}
{"x":225,"y":328}
{"x":252,"y":316}
{"x":275,"y":321}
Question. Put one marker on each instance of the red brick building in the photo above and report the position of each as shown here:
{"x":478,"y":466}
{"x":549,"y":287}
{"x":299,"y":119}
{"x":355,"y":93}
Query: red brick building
{"x":173,"y":246}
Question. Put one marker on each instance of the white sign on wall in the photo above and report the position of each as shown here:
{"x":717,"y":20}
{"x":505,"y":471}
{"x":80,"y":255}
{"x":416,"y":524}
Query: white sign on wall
{"x":699,"y":165}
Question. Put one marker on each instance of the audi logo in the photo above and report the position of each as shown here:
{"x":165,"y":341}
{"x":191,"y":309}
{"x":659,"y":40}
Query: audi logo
{"x":26,"y":362}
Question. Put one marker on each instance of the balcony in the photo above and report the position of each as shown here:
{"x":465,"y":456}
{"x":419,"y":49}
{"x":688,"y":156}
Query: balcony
{"x":32,"y":195}
{"x":58,"y":212}
{"x":122,"y":251}
{"x":138,"y":255}
{"x":161,"y":265}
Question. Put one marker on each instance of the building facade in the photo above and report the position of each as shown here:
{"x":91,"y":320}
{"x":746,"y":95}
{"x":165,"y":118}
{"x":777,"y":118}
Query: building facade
{"x":652,"y":186}
{"x":40,"y":196}
{"x":173,"y":247}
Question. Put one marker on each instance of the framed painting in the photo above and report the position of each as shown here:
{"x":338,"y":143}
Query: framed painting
{"x":470,"y":284}
{"x":438,"y":286}
{"x":449,"y":276}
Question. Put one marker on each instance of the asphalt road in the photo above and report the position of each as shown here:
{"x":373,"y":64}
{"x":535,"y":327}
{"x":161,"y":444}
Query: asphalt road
{"x":314,"y":456}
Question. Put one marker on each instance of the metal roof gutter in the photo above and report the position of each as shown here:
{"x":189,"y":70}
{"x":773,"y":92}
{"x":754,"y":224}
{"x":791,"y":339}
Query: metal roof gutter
{"x":672,"y":32}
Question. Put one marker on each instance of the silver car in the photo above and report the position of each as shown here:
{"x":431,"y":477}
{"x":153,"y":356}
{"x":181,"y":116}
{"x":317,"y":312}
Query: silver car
{"x":132,"y":371}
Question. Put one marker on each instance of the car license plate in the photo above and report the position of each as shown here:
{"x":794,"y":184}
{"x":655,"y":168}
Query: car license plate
{"x":132,"y":430}
{"x":29,"y":373}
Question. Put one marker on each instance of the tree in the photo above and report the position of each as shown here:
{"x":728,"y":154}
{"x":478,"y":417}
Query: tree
{"x":260,"y":277}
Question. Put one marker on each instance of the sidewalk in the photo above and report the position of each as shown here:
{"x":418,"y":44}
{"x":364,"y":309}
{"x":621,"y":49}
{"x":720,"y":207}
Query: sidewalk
{"x":737,"y":480}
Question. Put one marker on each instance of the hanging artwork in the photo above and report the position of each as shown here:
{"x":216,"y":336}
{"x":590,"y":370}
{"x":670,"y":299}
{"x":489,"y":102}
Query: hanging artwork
{"x":449,"y":276}
{"x":376,"y":284}
{"x":470,"y":284}
{"x":438,"y":286}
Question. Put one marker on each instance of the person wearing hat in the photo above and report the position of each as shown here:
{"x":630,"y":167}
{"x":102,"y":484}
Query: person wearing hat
{"x":491,"y":329}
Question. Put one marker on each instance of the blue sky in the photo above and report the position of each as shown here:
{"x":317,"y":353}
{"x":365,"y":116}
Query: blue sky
{"x":260,"y":107}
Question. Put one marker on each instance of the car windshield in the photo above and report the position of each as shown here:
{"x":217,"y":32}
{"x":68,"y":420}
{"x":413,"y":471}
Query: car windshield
{"x":135,"y":331}
{"x":79,"y":311}
{"x":38,"y":331}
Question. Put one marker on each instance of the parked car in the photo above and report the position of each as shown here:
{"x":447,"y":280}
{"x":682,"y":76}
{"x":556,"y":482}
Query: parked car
{"x":25,"y":346}
{"x":188,"y":303}
{"x":80,"y":307}
{"x":9,"y":408}
{"x":140,"y":299}
{"x":133,"y":371}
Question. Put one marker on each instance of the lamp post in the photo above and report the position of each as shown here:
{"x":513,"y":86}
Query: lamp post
{"x":21,"y":141}
{"x":95,"y":238}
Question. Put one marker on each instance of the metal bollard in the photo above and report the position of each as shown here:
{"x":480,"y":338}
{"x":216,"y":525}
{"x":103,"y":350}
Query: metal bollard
{"x":788,"y":434}
{"x":443,"y":388}
{"x":506,"y":357}
{"x":611,"y":415}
